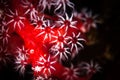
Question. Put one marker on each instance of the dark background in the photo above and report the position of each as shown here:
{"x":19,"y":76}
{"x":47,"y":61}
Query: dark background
{"x":108,"y":34}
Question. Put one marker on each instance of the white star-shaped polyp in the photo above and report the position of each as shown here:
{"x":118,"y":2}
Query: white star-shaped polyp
{"x":92,"y":67}
{"x":30,"y":9}
{"x":4,"y":55}
{"x":61,"y":4}
{"x":22,"y":50}
{"x":75,"y":41}
{"x":60,"y":40}
{"x":46,"y":65}
{"x":4,"y":35}
{"x":45,"y":4}
{"x":80,"y":15}
{"x":67,"y":22}
{"x":16,"y":19}
{"x":37,"y":69}
{"x":47,"y":30}
{"x":62,"y":52}
{"x":76,"y":14}
{"x":71,"y":73}
{"x":90,"y":21}
{"x":39,"y":22}
{"x":21,"y":60}
{"x":40,"y":78}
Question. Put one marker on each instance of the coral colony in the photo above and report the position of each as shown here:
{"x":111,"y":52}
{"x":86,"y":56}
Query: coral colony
{"x":41,"y":33}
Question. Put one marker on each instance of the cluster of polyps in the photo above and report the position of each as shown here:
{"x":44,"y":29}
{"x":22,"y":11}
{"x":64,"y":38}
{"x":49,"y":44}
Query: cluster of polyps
{"x":48,"y":40}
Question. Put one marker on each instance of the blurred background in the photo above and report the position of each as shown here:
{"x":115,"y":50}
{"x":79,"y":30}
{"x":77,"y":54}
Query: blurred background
{"x":103,"y":45}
